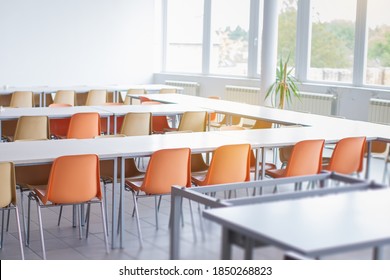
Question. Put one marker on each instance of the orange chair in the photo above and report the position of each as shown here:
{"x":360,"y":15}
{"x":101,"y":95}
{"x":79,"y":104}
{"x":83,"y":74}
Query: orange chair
{"x":166,"y":168}
{"x":59,"y":127}
{"x":74,"y":180}
{"x":8,"y":198}
{"x":229,"y":164}
{"x":213,"y":116}
{"x":84,"y":125}
{"x":347,"y":156}
{"x":306,"y":159}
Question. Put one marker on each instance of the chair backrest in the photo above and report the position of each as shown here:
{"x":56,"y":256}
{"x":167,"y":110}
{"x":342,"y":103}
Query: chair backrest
{"x":64,"y":97}
{"x":235,"y":120}
{"x":193,"y":121}
{"x":84,"y":125}
{"x":347,"y":156}
{"x":167,"y":168}
{"x":168,"y":90}
{"x":159,"y":123}
{"x":73,"y":179}
{"x":133,"y":91}
{"x":229,"y":164}
{"x":137,"y":124}
{"x":32,"y":128}
{"x":261,"y":124}
{"x":20,"y":99}
{"x":96,"y":97}
{"x":306,"y":158}
{"x":7,"y":184}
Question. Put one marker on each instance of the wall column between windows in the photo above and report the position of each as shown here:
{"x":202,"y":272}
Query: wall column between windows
{"x":269,"y":48}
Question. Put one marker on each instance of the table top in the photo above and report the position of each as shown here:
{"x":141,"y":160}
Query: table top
{"x":162,"y":109}
{"x":52,"y":112}
{"x":85,"y":88}
{"x":29,"y":152}
{"x":314,"y":226}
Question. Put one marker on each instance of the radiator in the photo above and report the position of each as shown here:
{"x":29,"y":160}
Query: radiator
{"x":189,"y":88}
{"x":379,"y":111}
{"x":249,"y":95}
{"x":315,"y":103}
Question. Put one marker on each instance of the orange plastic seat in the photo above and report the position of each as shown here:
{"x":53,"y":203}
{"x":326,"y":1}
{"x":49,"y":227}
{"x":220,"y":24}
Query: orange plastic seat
{"x":8,"y":198}
{"x":74,"y":180}
{"x":84,"y":125}
{"x":166,"y":168}
{"x":347,"y":156}
{"x":59,"y":127}
{"x":305,"y":159}
{"x":229,"y":164}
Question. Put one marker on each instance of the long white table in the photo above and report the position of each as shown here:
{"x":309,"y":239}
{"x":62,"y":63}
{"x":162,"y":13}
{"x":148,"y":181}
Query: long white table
{"x":116,"y":88}
{"x":52,"y":112}
{"x":160,"y":110}
{"x":312,"y":226}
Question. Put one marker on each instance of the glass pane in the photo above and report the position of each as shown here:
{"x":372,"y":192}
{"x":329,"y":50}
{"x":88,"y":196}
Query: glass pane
{"x":184,"y":36}
{"x":229,"y":37}
{"x":333,"y":39}
{"x":287,"y":30}
{"x":378,"y":51}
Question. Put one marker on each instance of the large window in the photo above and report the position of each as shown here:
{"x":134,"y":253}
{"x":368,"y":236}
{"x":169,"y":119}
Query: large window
{"x":332,"y":40}
{"x":287,"y":30}
{"x":229,"y":37}
{"x":378,"y":44}
{"x":184,"y":36}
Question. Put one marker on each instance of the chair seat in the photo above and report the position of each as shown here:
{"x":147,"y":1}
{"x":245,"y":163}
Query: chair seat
{"x":268,"y":166}
{"x":40,"y":190}
{"x":198,"y":177}
{"x":276,"y":173}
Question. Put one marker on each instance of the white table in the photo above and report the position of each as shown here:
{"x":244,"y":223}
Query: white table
{"x":160,"y":110}
{"x":51,"y":112}
{"x":312,"y":226}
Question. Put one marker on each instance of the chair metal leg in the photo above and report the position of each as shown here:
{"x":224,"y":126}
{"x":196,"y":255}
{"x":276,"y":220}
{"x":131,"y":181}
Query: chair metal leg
{"x":87,"y":217}
{"x":137,"y":217}
{"x":59,"y":216}
{"x":2,"y":228}
{"x":23,"y":217}
{"x":105,"y":203}
{"x":156,"y":211}
{"x":19,"y":232}
{"x":41,"y":231}
{"x":105,"y":231}
{"x":78,"y":211}
{"x":28,"y":220}
{"x":8,"y":216}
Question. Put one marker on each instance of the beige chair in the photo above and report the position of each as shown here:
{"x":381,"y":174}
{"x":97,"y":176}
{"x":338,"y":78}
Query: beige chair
{"x":235,"y":120}
{"x":8,"y":198}
{"x":22,"y":99}
{"x":64,"y":97}
{"x":96,"y":97}
{"x":135,"y":124}
{"x":32,"y":128}
{"x":168,"y":90}
{"x":135,"y":91}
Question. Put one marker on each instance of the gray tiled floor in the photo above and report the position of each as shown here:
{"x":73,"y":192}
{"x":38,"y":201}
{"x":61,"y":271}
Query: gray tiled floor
{"x":63,"y":243}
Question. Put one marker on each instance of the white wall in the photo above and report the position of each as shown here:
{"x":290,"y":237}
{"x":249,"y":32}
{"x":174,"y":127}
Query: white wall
{"x":76,"y":42}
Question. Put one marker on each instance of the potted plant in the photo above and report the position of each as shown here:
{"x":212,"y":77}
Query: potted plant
{"x":285,"y":86}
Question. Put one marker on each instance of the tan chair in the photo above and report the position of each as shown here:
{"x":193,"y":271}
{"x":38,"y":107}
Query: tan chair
{"x":168,"y":90}
{"x":32,"y":128}
{"x":135,"y":124}
{"x":192,"y":122}
{"x":235,"y":120}
{"x":135,"y":91}
{"x":8,"y":198}
{"x":22,"y":99}
{"x":96,"y":97}
{"x":64,"y":97}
